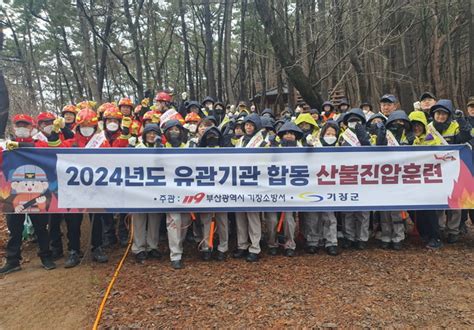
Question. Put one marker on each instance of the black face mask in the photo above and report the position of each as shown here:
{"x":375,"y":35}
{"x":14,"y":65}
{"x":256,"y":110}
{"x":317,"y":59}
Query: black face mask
{"x":441,"y":127}
{"x":219,"y":114}
{"x":373,"y":128}
{"x":174,"y":138}
{"x":212,"y":141}
{"x":286,"y":143}
{"x":397,"y":130}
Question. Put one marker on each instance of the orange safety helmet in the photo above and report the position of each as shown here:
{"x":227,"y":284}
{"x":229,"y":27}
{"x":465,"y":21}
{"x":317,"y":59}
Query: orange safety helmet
{"x":70,"y":108}
{"x":86,"y":104}
{"x":126,"y":101}
{"x":22,"y":118}
{"x":163,"y":97}
{"x":45,"y":116}
{"x":87,"y":118}
{"x":105,"y":106}
{"x":192,"y":117}
{"x":112,"y":112}
{"x":148,"y":115}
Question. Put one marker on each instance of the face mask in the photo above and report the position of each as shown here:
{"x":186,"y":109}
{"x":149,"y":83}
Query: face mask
{"x":48,"y":129}
{"x":286,"y":143}
{"x":373,"y":128}
{"x":174,"y":138}
{"x":192,"y":128}
{"x":441,"y":127}
{"x":352,"y":124}
{"x":174,"y":135}
{"x":396,"y":127}
{"x":112,"y":127}
{"x":87,"y":131}
{"x":330,"y":140}
{"x":212,"y":141}
{"x":22,"y":132}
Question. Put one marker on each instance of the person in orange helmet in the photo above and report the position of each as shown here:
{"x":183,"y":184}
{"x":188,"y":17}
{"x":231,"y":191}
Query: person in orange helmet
{"x":23,"y":181}
{"x":88,"y":135}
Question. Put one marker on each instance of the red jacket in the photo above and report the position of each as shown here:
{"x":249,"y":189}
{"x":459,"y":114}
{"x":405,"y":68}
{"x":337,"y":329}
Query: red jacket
{"x":116,"y":140}
{"x":80,"y":141}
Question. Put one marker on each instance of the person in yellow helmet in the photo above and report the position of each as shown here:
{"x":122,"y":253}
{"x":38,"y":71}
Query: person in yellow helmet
{"x":420,"y":124}
{"x":309,"y":127}
{"x":426,"y":220}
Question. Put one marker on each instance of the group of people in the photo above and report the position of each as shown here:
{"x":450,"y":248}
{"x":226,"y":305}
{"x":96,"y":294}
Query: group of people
{"x":213,"y":124}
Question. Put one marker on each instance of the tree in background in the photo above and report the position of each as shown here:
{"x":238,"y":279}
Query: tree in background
{"x":57,"y":52}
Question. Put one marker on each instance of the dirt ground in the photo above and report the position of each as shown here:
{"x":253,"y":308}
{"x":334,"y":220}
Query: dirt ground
{"x":372,"y":288}
{"x":40,"y":299}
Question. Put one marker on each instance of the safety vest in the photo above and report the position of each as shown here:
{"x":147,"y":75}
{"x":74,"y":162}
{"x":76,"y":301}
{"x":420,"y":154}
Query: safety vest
{"x":448,"y":134}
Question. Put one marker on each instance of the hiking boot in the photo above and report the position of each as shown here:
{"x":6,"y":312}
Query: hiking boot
{"x":239,"y":253}
{"x":289,"y":252}
{"x":9,"y":268}
{"x":220,"y":256}
{"x":272,"y":251}
{"x":359,"y":245}
{"x":48,"y":263}
{"x":332,"y":250}
{"x":434,"y":244}
{"x":155,"y":254}
{"x":73,"y":259}
{"x":346,"y":243}
{"x":98,"y":255}
{"x":384,"y":245}
{"x":311,"y":249}
{"x":206,"y":255}
{"x":397,"y":246}
{"x":252,"y":257}
{"x":141,"y":256}
{"x":177,"y":264}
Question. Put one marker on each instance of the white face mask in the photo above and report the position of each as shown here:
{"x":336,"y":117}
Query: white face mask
{"x":48,"y":129}
{"x":330,"y":139}
{"x":22,"y":132}
{"x":87,"y":131}
{"x":352,"y":124}
{"x":192,"y":128}
{"x":112,"y":127}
